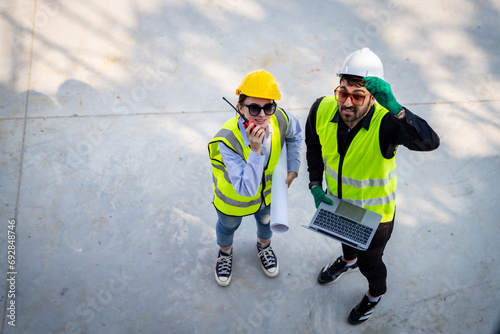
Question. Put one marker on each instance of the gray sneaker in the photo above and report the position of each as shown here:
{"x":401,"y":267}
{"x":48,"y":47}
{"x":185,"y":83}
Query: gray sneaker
{"x":332,"y":272}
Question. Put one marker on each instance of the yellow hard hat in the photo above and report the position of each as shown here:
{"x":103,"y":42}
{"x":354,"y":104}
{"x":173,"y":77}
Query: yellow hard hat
{"x":261,"y":84}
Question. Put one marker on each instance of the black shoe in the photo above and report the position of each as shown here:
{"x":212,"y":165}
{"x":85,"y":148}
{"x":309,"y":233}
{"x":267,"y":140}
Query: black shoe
{"x":332,"y":272}
{"x":362,"y":312}
{"x":223,"y":269}
{"x":268,"y":260}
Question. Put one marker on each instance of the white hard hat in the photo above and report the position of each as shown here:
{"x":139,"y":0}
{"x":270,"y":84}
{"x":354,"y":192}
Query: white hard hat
{"x":363,"y":63}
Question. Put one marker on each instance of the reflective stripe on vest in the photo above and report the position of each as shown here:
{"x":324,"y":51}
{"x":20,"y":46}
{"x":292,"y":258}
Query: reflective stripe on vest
{"x":361,"y":183}
{"x":226,"y":199}
{"x":368,"y":179}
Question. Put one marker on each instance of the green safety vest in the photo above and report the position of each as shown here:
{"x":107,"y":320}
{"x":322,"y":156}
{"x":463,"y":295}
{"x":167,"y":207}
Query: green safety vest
{"x":363,"y":177}
{"x":226,"y":200}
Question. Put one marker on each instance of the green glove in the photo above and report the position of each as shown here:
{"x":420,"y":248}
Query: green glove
{"x":320,"y":196}
{"x":382,"y":92}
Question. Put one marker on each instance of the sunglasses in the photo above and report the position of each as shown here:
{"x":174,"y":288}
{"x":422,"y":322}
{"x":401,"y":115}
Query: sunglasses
{"x":254,"y":109}
{"x":356,"y":98}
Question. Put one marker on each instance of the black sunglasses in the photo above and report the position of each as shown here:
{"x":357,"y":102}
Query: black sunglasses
{"x":254,"y":109}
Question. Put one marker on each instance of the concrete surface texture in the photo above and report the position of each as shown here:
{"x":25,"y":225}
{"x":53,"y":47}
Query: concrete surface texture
{"x":106,"y":109}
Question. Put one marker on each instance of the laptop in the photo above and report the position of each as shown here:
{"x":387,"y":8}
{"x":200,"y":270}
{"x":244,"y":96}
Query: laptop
{"x":345,"y":222}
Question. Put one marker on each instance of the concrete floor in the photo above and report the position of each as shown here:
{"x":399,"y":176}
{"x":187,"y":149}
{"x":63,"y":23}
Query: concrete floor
{"x":106,"y":110}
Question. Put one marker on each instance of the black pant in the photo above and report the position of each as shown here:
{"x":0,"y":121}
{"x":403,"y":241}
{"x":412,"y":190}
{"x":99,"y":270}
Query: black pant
{"x":370,"y":261}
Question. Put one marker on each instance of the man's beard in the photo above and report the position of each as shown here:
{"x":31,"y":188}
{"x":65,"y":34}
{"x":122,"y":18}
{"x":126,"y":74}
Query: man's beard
{"x":355,"y":113}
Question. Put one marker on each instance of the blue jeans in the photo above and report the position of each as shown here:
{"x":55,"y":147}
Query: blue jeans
{"x":227,"y":225}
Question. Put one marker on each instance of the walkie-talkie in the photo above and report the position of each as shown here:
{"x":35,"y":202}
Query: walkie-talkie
{"x":246,"y":122}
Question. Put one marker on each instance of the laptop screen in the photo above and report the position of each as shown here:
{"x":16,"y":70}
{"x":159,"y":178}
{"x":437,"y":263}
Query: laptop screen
{"x":350,"y":211}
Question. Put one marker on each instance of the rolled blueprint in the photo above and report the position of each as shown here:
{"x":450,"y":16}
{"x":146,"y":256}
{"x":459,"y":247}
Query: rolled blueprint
{"x":279,"y":195}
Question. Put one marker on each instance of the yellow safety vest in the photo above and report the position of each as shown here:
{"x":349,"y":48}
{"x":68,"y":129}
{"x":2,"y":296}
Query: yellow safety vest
{"x":226,"y":200}
{"x":366,"y":178}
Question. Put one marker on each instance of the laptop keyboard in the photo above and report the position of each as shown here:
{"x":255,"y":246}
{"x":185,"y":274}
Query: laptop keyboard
{"x":345,"y":227}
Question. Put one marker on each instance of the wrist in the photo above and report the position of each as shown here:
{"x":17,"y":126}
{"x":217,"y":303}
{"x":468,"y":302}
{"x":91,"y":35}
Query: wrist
{"x":401,"y":114}
{"x":256,"y":150}
{"x":314,"y":184}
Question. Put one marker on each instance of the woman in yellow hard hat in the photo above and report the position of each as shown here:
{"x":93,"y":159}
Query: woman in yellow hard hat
{"x":243,"y":160}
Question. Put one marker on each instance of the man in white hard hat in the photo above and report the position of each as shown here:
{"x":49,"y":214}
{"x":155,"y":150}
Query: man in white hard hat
{"x":352,"y":138}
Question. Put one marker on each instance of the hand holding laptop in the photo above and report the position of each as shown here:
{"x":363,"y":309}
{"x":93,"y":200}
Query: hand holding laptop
{"x":320,"y":196}
{"x":348,"y":223}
